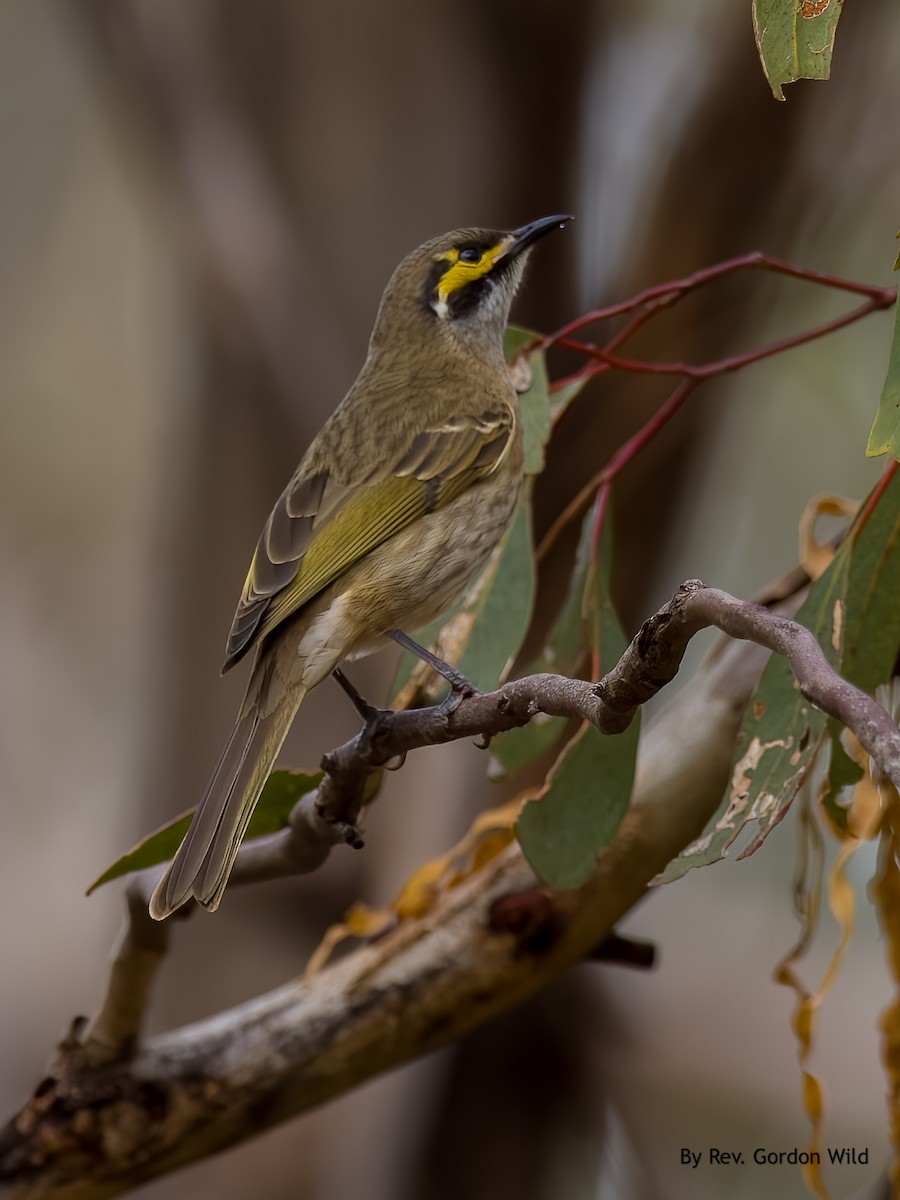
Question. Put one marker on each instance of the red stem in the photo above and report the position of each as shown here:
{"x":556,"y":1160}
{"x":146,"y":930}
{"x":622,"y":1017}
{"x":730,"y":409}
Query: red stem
{"x":877,"y":492}
{"x":600,"y":506}
{"x":664,"y":294}
{"x":723,"y":365}
{"x":625,"y":453}
{"x":650,"y":301}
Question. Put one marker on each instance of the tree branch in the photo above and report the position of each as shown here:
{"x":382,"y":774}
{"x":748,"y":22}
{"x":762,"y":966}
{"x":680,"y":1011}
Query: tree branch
{"x":136,"y":956}
{"x":650,"y":662}
{"x":94,"y":1130}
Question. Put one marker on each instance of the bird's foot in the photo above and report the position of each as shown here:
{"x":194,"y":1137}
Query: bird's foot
{"x":461,"y":688}
{"x":374,"y":719}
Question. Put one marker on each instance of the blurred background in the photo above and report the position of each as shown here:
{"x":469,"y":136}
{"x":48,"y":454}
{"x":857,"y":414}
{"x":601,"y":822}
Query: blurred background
{"x":201,"y":205}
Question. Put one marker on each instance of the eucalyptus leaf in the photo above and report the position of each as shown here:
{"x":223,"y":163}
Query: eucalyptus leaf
{"x":561,"y":397}
{"x":581,"y":806}
{"x":564,"y":653}
{"x":563,"y":830}
{"x":884,"y":437}
{"x":853,"y":611}
{"x":795,"y":39}
{"x":516,"y":748}
{"x":503,"y":612}
{"x":534,"y":404}
{"x":282,"y":791}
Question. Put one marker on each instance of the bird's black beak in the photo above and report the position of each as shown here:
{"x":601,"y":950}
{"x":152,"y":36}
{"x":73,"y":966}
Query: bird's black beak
{"x":526,"y":235}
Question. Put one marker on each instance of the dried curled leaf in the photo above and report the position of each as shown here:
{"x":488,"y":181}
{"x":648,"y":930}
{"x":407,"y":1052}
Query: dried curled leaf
{"x":885,"y":893}
{"x":815,"y":556}
{"x":863,"y":820}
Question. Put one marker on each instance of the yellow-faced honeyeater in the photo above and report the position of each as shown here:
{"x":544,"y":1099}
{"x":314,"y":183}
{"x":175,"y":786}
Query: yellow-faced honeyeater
{"x":397,"y":503}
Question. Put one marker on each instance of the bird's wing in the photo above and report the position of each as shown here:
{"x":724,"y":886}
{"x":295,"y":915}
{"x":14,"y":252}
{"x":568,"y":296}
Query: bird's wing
{"x":320,"y":527}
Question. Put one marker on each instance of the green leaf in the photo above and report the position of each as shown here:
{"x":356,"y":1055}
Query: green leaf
{"x":569,"y":639}
{"x":854,"y":613}
{"x":503,"y":610}
{"x":884,"y":437}
{"x":282,"y":791}
{"x":516,"y":748}
{"x":565,"y":653}
{"x":562,"y":397}
{"x":534,"y":404}
{"x":606,"y":636}
{"x":541,"y":406}
{"x":795,"y":39}
{"x":587,"y":793}
{"x":516,"y":338}
{"x":871,"y":637}
{"x":779,"y":738}
{"x":587,"y":618}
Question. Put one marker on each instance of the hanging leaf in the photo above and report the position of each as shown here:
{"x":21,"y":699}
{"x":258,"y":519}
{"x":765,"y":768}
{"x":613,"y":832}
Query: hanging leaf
{"x":501,"y":617}
{"x":843,"y":773}
{"x":885,"y":435}
{"x":515,"y":749}
{"x":561,"y":397}
{"x":282,"y":791}
{"x":563,"y":829}
{"x":872,"y":634}
{"x":779,"y":738}
{"x":795,"y":39}
{"x":534,"y":402}
{"x":573,"y":818}
{"x":564,"y":653}
{"x":853,"y":611}
{"x":872,"y":638}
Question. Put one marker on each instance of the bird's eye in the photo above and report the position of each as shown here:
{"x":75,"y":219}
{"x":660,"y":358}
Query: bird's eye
{"x":470,"y":255}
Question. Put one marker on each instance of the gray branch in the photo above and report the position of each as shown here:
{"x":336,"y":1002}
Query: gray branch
{"x":95,"y":1127}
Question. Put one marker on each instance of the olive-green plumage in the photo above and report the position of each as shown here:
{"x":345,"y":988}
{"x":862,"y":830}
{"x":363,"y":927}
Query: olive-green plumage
{"x":397,"y":503}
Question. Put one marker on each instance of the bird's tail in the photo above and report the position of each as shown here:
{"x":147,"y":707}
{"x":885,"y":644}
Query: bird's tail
{"x":204,"y":859}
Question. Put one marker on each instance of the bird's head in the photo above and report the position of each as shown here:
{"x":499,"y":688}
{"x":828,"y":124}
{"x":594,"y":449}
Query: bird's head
{"x":460,"y":285}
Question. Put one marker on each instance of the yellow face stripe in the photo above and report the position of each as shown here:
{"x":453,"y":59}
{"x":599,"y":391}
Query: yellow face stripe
{"x":458,"y":274}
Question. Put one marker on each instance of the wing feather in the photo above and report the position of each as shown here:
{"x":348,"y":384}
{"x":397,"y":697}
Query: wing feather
{"x":320,"y":527}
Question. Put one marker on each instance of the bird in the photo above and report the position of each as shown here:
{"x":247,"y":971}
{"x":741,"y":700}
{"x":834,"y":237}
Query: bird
{"x":398,"y":501}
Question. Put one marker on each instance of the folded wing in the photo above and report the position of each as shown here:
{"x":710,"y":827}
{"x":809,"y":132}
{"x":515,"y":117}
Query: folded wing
{"x":320,"y":527}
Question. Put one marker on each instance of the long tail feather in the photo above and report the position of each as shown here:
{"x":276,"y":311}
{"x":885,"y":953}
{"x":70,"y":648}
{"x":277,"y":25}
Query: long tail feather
{"x":204,"y":859}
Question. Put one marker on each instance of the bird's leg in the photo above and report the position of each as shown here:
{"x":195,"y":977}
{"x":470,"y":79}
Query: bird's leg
{"x":460,"y":687}
{"x":366,"y":710}
{"x":373,"y":717}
